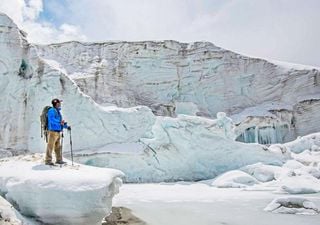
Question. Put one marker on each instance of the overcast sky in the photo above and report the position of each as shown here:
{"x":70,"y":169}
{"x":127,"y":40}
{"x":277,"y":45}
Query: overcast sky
{"x":286,"y":30}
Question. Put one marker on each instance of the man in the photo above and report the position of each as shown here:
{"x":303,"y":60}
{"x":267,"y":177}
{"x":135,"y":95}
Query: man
{"x":55,"y":126}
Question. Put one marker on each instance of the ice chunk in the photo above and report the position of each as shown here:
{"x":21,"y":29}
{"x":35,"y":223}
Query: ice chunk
{"x":304,"y":184}
{"x":234,"y":179}
{"x":292,"y":205}
{"x":263,"y":173}
{"x":293,"y":164}
{"x":307,"y":157}
{"x":68,"y":195}
{"x":278,"y":148}
{"x":311,"y":141}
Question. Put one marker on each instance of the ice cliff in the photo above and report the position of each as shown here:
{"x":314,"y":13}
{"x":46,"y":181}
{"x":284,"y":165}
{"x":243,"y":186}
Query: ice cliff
{"x":271,"y":101}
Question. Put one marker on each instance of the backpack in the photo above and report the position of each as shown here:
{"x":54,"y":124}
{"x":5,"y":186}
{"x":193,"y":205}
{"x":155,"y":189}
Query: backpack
{"x":44,"y":122}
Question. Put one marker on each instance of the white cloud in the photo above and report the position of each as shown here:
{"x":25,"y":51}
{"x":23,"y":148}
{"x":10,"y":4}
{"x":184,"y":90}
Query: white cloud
{"x":26,"y":13}
{"x":14,"y":9}
{"x":32,"y":9}
{"x":285,"y":30}
{"x":278,"y":29}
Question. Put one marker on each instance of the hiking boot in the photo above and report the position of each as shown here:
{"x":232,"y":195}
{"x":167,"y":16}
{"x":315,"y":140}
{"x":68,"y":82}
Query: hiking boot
{"x":61,"y":162}
{"x":49,"y":163}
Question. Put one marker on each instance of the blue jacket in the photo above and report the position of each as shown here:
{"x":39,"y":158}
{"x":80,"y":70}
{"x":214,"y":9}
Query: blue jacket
{"x":54,"y":120}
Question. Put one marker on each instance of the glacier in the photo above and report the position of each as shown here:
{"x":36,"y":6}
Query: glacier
{"x":156,"y":130}
{"x":160,"y":111}
{"x":270,"y":101}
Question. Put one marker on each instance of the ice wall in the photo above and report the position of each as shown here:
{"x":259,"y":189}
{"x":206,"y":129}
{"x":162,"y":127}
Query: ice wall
{"x":171,"y":78}
{"x":191,"y":78}
{"x":185,"y":148}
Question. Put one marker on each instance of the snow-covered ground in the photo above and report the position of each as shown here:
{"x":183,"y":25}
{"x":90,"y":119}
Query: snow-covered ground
{"x":198,"y":203}
{"x":254,"y":194}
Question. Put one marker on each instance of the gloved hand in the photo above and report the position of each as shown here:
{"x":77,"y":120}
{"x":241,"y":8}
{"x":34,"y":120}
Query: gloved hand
{"x":69,"y":127}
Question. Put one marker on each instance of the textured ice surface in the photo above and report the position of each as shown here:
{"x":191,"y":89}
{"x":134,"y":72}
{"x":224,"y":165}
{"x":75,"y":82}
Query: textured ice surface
{"x":293,"y":205}
{"x":25,"y":92}
{"x":277,"y":102}
{"x":185,"y":148}
{"x":234,"y":179}
{"x":166,"y":77}
{"x":10,"y":216}
{"x":54,"y":195}
{"x":263,"y":173}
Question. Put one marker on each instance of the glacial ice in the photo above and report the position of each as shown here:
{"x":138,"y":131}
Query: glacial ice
{"x":263,"y":173}
{"x":68,"y":195}
{"x":303,"y":184}
{"x":10,"y":216}
{"x":185,"y":148}
{"x":199,"y":79}
{"x":234,"y":179}
{"x":292,"y":205}
{"x":25,"y":95}
{"x":169,"y":134}
{"x":113,"y":74}
{"x":298,"y":175}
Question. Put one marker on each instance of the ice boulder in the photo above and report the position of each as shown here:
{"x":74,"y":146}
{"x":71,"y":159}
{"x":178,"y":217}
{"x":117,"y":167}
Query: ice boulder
{"x":292,"y":205}
{"x":311,"y":142}
{"x":307,"y":157}
{"x":304,"y":184}
{"x":58,"y":195}
{"x":234,"y":179}
{"x":263,"y":173}
{"x":293,"y":164}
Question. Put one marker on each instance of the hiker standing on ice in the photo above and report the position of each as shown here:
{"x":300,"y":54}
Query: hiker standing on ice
{"x":55,"y":126}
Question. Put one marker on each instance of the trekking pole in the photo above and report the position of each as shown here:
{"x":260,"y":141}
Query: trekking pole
{"x":71,"y":147}
{"x":62,"y":136}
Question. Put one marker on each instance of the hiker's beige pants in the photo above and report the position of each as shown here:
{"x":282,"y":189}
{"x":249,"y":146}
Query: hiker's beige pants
{"x":53,"y":144}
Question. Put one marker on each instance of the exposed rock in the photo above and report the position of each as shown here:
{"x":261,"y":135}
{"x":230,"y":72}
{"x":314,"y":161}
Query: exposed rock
{"x":122,"y":215}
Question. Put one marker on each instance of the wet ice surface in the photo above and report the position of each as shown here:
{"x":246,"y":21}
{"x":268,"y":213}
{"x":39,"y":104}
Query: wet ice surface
{"x":196,"y":203}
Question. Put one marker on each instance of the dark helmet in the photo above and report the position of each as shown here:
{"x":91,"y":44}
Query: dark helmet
{"x":55,"y":101}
